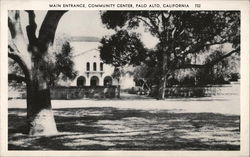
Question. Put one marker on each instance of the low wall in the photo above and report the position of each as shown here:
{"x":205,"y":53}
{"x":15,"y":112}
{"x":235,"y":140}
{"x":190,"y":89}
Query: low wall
{"x":82,"y":92}
{"x":103,"y":92}
{"x":69,"y":92}
{"x":191,"y":91}
{"x":205,"y":91}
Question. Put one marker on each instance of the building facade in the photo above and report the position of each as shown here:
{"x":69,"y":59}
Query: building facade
{"x":91,"y":71}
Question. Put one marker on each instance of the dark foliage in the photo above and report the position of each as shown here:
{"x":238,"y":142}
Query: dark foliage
{"x":122,"y":48}
{"x":180,"y":34}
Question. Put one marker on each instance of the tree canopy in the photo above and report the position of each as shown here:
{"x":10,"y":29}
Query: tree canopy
{"x":180,"y":34}
{"x":122,"y":48}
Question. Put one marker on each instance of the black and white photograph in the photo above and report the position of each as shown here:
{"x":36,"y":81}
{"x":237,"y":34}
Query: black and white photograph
{"x":124,"y":80}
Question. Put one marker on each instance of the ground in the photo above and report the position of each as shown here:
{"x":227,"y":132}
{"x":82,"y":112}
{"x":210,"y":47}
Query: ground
{"x":134,"y":123}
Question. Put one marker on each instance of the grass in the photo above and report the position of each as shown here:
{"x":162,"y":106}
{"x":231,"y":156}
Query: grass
{"x":110,"y":128}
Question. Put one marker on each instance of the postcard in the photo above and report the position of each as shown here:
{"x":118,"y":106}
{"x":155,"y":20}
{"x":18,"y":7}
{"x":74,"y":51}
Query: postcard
{"x":124,"y":78}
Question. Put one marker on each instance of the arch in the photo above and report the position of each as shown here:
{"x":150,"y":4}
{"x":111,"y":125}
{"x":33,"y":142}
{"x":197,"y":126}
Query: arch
{"x":94,"y":66}
{"x":88,"y":66}
{"x":81,"y":81}
{"x":101,"y":66}
{"x":94,"y":81}
{"x":107,"y":80}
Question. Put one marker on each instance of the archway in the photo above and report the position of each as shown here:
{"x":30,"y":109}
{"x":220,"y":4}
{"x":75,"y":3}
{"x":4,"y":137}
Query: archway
{"x":107,"y":80}
{"x":80,"y":81}
{"x":94,"y":81}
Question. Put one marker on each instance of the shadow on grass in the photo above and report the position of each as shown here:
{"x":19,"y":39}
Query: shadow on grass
{"x":109,"y":128}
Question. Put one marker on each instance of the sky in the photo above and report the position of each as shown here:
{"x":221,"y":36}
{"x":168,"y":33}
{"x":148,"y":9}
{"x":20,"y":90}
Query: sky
{"x":84,"y":23}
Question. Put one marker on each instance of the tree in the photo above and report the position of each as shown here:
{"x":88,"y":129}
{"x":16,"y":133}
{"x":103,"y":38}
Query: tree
{"x":121,"y":49}
{"x":63,"y":67}
{"x":33,"y":58}
{"x":180,"y":33}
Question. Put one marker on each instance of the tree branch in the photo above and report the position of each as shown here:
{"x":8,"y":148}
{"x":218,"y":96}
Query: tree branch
{"x":48,"y":28}
{"x":14,"y":54}
{"x":152,"y":26}
{"x":165,"y":19}
{"x":12,"y":29}
{"x":31,"y":28}
{"x":153,"y":23}
{"x":17,"y":45}
{"x":13,"y":23}
{"x":209,"y":64}
{"x":199,"y":46}
{"x":18,"y":78}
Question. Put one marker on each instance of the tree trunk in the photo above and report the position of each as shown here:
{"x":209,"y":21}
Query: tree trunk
{"x":40,"y":117}
{"x":118,"y":89}
{"x":33,"y":59}
{"x":162,"y":85}
{"x":163,"y":78}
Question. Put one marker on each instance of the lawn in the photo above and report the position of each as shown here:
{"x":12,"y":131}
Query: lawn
{"x":111,"y":128}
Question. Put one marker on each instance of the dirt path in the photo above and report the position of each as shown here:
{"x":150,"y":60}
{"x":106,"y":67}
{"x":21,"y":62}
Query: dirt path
{"x":229,"y":104}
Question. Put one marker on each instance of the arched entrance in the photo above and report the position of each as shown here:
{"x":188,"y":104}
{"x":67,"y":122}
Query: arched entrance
{"x":107,"y":81}
{"x":94,"y":81}
{"x":80,"y":81}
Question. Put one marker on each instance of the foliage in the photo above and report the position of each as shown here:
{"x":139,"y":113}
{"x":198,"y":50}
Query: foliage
{"x":64,"y":64}
{"x":59,"y":65}
{"x":14,"y":68}
{"x":117,"y":73}
{"x":122,"y":48}
{"x":180,"y":34}
{"x":146,"y":72}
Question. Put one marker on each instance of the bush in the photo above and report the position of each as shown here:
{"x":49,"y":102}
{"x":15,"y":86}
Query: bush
{"x":234,"y":77}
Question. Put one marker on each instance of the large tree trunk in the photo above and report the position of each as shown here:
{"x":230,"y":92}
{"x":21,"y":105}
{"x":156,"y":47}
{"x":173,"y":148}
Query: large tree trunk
{"x":39,"y":111}
{"x":40,"y":117}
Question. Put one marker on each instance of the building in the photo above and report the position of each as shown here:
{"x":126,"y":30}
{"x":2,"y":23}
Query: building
{"x":90,"y":68}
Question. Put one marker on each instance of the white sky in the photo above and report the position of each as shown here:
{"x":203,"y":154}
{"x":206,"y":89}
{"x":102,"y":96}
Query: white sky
{"x":84,"y":23}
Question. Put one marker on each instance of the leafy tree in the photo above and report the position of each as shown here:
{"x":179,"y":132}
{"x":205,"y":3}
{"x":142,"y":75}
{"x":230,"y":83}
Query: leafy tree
{"x":122,"y":48}
{"x":219,"y":73}
{"x":33,"y":57}
{"x":63,"y":66}
{"x":180,"y":33}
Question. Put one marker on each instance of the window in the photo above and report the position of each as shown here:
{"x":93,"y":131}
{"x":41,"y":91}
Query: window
{"x":101,"y":66}
{"x":88,"y":66}
{"x":94,"y":66}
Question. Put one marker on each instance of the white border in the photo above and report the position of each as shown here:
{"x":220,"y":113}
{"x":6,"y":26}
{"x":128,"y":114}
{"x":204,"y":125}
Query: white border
{"x":243,"y":6}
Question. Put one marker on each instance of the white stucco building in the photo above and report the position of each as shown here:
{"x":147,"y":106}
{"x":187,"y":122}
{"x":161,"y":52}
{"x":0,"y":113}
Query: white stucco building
{"x":90,"y":68}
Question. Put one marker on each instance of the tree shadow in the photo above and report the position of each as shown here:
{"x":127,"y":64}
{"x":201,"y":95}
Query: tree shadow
{"x":109,"y":128}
